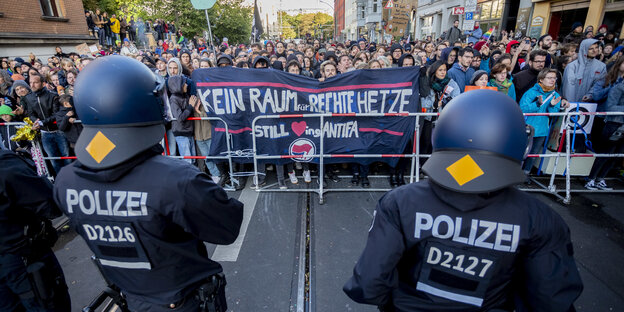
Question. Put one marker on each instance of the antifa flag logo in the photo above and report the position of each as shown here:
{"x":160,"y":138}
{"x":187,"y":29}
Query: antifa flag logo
{"x":303,"y":148}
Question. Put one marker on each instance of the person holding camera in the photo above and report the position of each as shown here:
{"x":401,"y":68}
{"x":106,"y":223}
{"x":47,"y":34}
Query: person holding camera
{"x":31,"y":278}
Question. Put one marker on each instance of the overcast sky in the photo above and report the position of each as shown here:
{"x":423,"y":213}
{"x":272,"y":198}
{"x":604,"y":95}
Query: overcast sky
{"x":271,"y":7}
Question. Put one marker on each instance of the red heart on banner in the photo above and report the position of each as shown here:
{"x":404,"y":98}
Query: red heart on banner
{"x":299,"y":127}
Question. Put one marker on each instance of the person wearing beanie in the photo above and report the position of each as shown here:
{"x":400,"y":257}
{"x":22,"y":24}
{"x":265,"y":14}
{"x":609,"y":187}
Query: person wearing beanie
{"x":484,"y":49}
{"x":602,"y":31}
{"x":129,"y":49}
{"x":17,"y":94}
{"x":575,"y":35}
{"x":6,"y":115}
{"x":479,"y":78}
{"x":545,"y":43}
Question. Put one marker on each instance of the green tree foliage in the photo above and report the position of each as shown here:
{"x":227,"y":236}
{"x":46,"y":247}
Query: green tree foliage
{"x":300,"y":25}
{"x":230,"y":18}
{"x":110,"y":6}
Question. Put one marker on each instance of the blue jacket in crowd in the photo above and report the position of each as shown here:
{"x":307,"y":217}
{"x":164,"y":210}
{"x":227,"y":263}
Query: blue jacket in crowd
{"x":460,"y":76}
{"x":529,"y":104}
{"x":599,"y":93}
{"x":615,"y":101}
{"x":474,"y":35}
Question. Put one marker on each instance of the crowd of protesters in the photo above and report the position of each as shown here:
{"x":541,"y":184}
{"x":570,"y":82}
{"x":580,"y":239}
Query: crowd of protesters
{"x":541,"y":74}
{"x":112,"y":31}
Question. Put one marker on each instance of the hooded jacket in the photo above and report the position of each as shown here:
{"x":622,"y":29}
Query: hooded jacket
{"x":178,"y":63}
{"x":580,"y":75}
{"x":224,"y":59}
{"x":573,"y":37}
{"x":180,"y":107}
{"x":432,"y":254}
{"x":192,"y":88}
{"x":615,"y":102}
{"x":403,"y":57}
{"x":509,"y":45}
{"x":529,"y":104}
{"x":460,"y":76}
{"x":260,"y":58}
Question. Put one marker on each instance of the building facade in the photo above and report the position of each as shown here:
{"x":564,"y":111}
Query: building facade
{"x":556,"y":17}
{"x":38,"y":26}
{"x":350,"y":31}
{"x":433,"y":18}
{"x":339,"y":19}
{"x":531,"y":18}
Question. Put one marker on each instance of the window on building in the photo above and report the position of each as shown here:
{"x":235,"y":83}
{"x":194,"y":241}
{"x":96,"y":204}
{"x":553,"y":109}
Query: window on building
{"x":489,"y":10}
{"x":50,"y":8}
{"x":427,"y":21}
{"x":363,"y":12}
{"x":375,"y":6}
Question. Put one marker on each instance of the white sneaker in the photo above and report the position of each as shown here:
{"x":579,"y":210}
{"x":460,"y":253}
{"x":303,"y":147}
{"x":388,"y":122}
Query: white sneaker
{"x":602,"y":185}
{"x":293,"y":178}
{"x":591,"y":185}
{"x":306,"y":176}
{"x":216,"y":179}
{"x":298,"y":166}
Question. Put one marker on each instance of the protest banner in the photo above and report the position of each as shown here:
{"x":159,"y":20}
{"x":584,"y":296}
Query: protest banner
{"x":240,"y":95}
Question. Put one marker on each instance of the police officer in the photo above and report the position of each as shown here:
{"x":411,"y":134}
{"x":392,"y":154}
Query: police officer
{"x":143,"y":215}
{"x":31,"y":278}
{"x":465,"y":239}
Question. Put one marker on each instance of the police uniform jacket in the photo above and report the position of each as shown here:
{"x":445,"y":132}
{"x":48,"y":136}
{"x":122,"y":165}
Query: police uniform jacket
{"x":25,"y":198}
{"x":431,"y":249}
{"x":145,"y":221}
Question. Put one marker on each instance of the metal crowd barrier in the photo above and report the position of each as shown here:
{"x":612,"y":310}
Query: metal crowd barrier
{"x":414,"y":175}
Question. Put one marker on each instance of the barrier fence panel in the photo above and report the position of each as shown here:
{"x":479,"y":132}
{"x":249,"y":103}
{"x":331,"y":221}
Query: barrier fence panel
{"x":415,"y":156}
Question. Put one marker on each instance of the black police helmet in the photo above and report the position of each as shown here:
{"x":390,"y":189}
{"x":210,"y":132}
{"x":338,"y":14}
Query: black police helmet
{"x":119,"y":102}
{"x":479,"y":143}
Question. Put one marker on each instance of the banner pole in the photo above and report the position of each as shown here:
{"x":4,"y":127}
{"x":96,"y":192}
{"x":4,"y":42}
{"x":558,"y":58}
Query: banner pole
{"x":416,"y":151}
{"x":321,"y":166}
{"x":568,"y":196}
{"x":210,"y":34}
